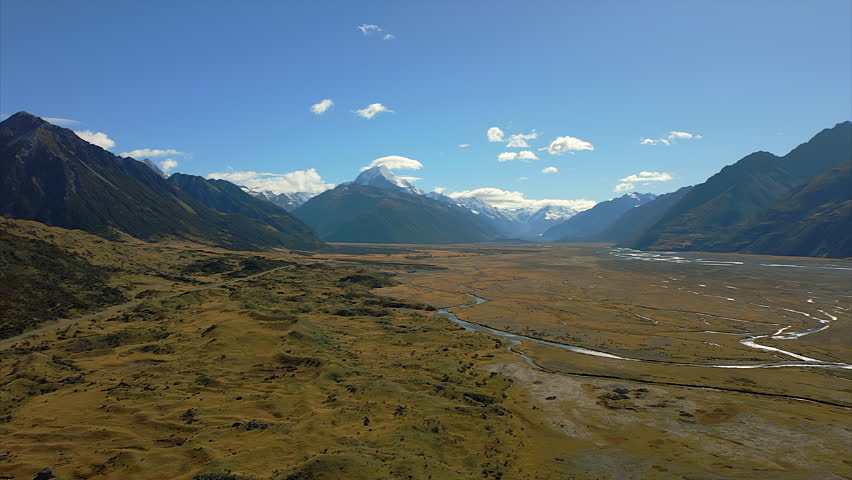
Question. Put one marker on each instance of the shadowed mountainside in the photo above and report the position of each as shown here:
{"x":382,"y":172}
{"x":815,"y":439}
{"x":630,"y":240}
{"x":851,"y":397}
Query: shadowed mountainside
{"x":744,"y":190}
{"x":367,"y":214}
{"x":814,"y":219}
{"x":587,"y":225}
{"x":49,"y":174}
{"x":226,"y":197}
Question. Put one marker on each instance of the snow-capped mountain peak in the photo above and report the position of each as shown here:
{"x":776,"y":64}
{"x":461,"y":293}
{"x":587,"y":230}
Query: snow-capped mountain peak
{"x":380,"y":176}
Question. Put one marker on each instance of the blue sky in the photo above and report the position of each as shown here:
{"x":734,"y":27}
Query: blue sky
{"x":230,"y":85}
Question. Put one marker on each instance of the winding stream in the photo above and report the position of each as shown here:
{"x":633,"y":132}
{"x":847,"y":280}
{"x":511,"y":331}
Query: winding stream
{"x":748,"y":340}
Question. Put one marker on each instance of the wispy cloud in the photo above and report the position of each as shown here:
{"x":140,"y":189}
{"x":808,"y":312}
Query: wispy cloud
{"x":394,"y":162}
{"x":372,"y":110}
{"x":464,"y":145}
{"x":62,"y":122}
{"x":439,"y":189}
{"x":168,"y":164}
{"x":321,"y":107}
{"x":550,"y":170}
{"x":100,"y":139}
{"x":495,"y":134}
{"x":308,"y":181}
{"x":519,"y":140}
{"x":508,"y":199}
{"x":568,"y":144}
{"x":671,"y":138}
{"x":624,"y":187}
{"x":644,"y":176}
{"x":150,"y":152}
{"x":367,"y":29}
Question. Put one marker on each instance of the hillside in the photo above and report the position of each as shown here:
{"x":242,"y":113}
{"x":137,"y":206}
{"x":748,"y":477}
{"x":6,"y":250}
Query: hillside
{"x":226,"y":197}
{"x":367,"y":214}
{"x":814,"y":220}
{"x":744,"y":190}
{"x":49,"y":174}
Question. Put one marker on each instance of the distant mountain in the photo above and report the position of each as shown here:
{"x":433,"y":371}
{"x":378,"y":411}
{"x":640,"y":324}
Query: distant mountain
{"x":587,"y":225}
{"x":535,"y":221}
{"x":287,"y":201}
{"x":814,"y":219}
{"x":368,"y":214}
{"x":226,"y":197}
{"x":502,"y":221}
{"x":382,"y":177}
{"x":635,"y":221}
{"x":522,"y":223}
{"x":50,"y":175}
{"x":744,"y":190}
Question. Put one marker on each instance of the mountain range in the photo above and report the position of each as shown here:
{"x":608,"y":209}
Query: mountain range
{"x":797,"y":204}
{"x":50,"y":175}
{"x":743,"y":194}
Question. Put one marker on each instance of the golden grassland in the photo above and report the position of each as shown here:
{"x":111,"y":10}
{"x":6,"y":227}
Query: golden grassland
{"x":310,"y":372}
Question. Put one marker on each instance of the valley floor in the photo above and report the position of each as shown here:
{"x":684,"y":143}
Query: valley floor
{"x":323,"y":368}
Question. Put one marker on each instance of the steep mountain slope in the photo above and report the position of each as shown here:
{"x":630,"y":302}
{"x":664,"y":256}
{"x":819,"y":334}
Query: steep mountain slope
{"x":226,"y":197}
{"x":368,"y":214}
{"x":743,"y":190}
{"x":50,"y":175}
{"x":586,"y":225}
{"x":635,"y":221}
{"x":814,"y":219}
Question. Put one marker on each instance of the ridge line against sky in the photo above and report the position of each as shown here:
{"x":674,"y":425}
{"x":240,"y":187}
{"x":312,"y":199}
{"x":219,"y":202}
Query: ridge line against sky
{"x":650,"y":96}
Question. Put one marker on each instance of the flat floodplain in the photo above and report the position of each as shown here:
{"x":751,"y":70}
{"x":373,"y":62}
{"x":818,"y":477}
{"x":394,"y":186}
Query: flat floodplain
{"x":747,"y":356}
{"x":536,"y":362}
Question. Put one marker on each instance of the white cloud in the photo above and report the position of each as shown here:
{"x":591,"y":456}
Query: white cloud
{"x":523,"y":155}
{"x":96,"y":138}
{"x":506,"y":199}
{"x":368,"y":29}
{"x":389,"y":36}
{"x":550,"y":170}
{"x":147,"y":152}
{"x":464,"y":145}
{"x":62,"y":122}
{"x":439,"y":189}
{"x":527,"y":155}
{"x":624,"y":187}
{"x":372,"y":110}
{"x":321,"y":107}
{"x":568,"y":144}
{"x":409,"y":179}
{"x":395,"y":162}
{"x":308,"y":181}
{"x":495,"y":134}
{"x":644,"y":176}
{"x":671,"y":138}
{"x":522,"y":179}
{"x":168,"y":164}
{"x":519,"y":140}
